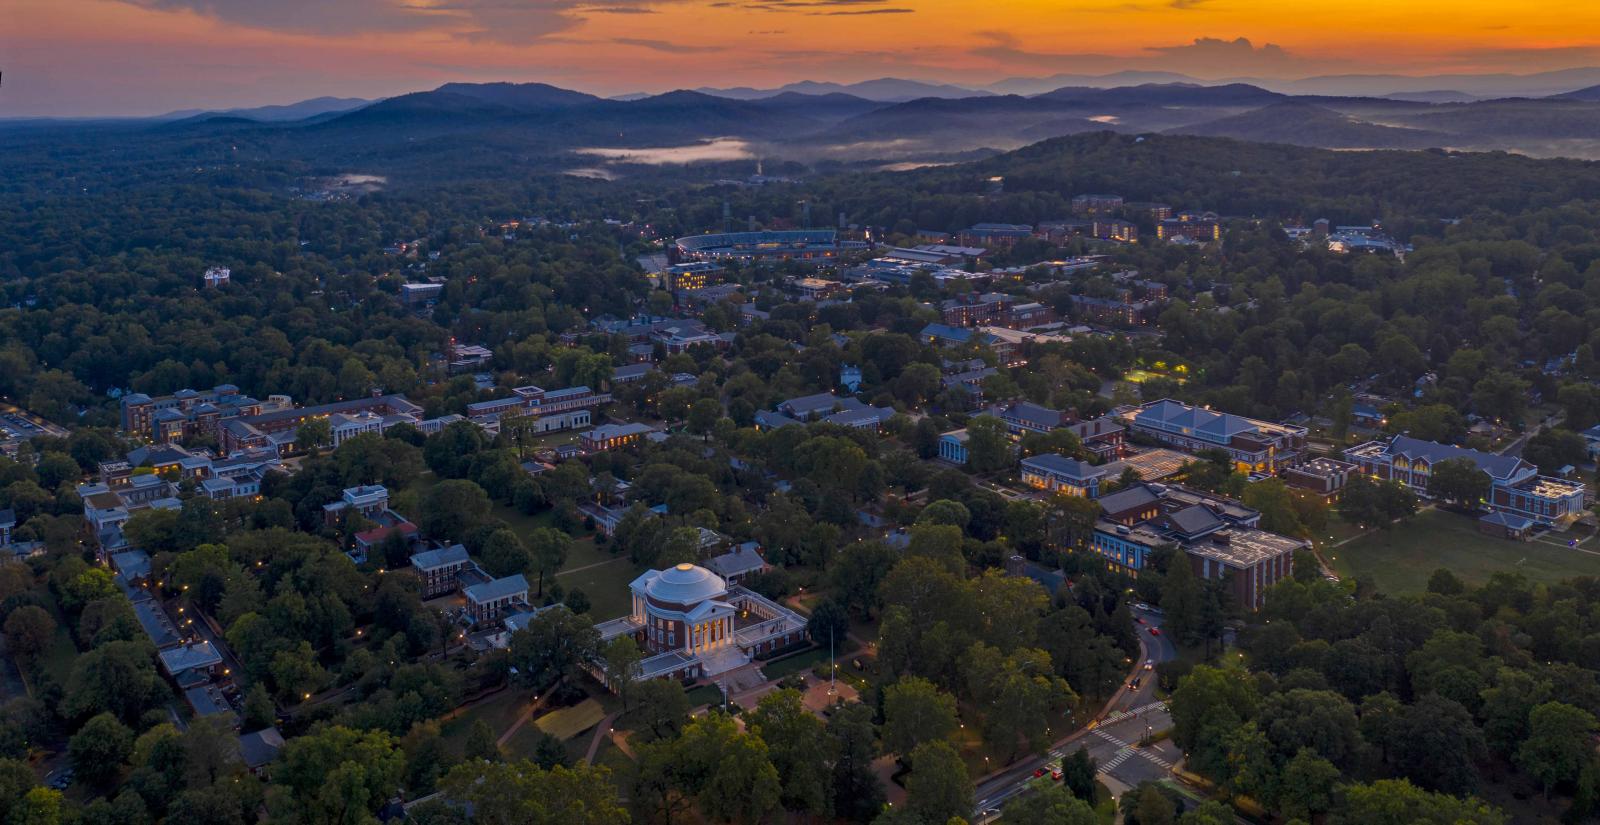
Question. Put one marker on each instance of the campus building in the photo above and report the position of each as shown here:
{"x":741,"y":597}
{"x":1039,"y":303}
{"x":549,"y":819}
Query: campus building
{"x":547,"y":410}
{"x":1515,"y":486}
{"x":1059,"y":474}
{"x":1219,"y":537}
{"x":812,"y":245}
{"x":1253,"y":446}
{"x":172,"y":418}
{"x":692,"y":623}
{"x":277,"y":429}
{"x":611,"y":436}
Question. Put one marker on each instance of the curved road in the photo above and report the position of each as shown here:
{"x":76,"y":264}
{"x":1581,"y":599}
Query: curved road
{"x":1111,"y":737}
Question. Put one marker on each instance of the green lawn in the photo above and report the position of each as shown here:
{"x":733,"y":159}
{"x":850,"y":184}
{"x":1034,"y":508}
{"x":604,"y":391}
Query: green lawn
{"x":498,"y":712}
{"x":798,"y":663}
{"x":606,"y":586}
{"x":569,"y":722}
{"x":704,"y":695}
{"x":1401,"y":559}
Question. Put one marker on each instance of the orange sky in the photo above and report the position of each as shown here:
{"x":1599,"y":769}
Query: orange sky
{"x":70,"y":57}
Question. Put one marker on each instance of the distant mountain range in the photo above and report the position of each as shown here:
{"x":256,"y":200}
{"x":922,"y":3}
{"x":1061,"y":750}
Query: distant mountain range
{"x":893,"y":120}
{"x":293,"y":111}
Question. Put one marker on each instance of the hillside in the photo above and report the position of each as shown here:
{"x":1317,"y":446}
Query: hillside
{"x":1304,"y":124}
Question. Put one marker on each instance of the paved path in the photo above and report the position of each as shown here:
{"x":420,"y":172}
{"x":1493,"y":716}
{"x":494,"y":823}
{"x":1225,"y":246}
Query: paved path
{"x":592,"y":566}
{"x":522,"y":718}
{"x":601,"y":731}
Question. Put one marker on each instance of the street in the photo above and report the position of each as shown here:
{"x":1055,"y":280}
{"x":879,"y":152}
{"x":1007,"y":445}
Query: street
{"x":1112,"y":738}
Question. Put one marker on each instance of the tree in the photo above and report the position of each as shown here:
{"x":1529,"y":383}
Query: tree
{"x":1460,"y":481}
{"x":915,"y":712}
{"x":28,"y":631}
{"x":988,"y":444}
{"x":259,"y":711}
{"x":98,"y":748}
{"x":1078,"y":774}
{"x":856,"y":792}
{"x":829,"y":621}
{"x":522,"y":793}
{"x":481,"y":745}
{"x":703,"y":415}
{"x":1019,"y":695}
{"x":313,"y":432}
{"x":621,"y":657}
{"x":450,"y":509}
{"x":1150,"y":806}
{"x":797,"y":744}
{"x":1183,"y":600}
{"x":504,"y":554}
{"x":1436,"y":745}
{"x":336,"y":774}
{"x":938,"y":789}
{"x":1398,"y":802}
{"x":661,"y":708}
{"x":548,"y":548}
{"x":1308,"y":786}
{"x":552,"y":645}
{"x":1555,"y":448}
{"x":1559,"y":743}
{"x":118,"y":677}
{"x":728,"y":774}
{"x":945,"y":511}
{"x":1053,"y":805}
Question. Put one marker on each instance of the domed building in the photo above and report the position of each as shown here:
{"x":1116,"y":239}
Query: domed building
{"x":694,"y":624}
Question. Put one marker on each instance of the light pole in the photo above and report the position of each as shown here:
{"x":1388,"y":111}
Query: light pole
{"x":833,"y":666}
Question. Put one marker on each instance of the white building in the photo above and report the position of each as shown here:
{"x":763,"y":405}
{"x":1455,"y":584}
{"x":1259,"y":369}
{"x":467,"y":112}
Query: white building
{"x":695,"y":625}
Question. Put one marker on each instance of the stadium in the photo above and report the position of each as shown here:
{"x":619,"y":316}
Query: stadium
{"x":787,"y":245}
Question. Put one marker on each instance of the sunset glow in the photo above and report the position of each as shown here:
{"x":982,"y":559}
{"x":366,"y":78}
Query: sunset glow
{"x":74,"y":57}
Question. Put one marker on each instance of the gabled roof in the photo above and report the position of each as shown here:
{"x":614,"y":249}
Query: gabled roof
{"x":1063,"y":466}
{"x":190,"y":657}
{"x":497,"y":589}
{"x":1507,"y":520}
{"x":1499,"y":467}
{"x":1194,"y":520}
{"x":260,"y":748}
{"x":1131,"y":498}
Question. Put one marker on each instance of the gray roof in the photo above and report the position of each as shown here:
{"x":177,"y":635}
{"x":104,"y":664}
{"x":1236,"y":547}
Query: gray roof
{"x":190,"y":657}
{"x":1063,"y":466}
{"x":1170,"y":415}
{"x":1133,"y":497}
{"x":1497,"y":466}
{"x":435,"y":559}
{"x":261,"y":747}
{"x":1194,"y":520}
{"x":736,"y":562}
{"x":498,"y":589}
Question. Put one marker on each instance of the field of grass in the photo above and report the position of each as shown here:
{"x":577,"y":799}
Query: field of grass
{"x":606,"y":586}
{"x":566,"y":723}
{"x":704,"y":695}
{"x":1401,"y":559}
{"x":801,"y":662}
{"x":499,"y":711}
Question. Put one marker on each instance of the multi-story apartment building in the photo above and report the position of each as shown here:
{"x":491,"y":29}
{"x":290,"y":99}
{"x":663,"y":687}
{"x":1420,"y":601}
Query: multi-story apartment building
{"x":1202,"y":230}
{"x":439,"y":569}
{"x":1253,"y":446}
{"x":492,"y":599}
{"x":171,"y":418}
{"x":994,"y":235}
{"x":1092,"y":204}
{"x":276,"y":429}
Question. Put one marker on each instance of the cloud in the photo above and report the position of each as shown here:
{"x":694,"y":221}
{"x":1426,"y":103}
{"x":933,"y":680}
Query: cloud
{"x":1214,"y":55}
{"x":1005,"y":47}
{"x":506,"y":21}
{"x":664,"y":46}
{"x":863,"y":11}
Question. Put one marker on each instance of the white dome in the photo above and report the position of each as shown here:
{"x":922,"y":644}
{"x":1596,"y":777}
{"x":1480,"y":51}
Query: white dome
{"x":686,"y":584}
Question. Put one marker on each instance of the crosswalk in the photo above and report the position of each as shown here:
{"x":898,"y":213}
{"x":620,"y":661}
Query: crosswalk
{"x":1125,"y":752}
{"x":1132,"y":712}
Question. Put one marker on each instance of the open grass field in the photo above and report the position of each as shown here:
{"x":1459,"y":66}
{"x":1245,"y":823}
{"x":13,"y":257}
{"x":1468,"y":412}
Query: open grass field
{"x":1401,"y":559}
{"x":498,"y":712}
{"x":801,"y":662}
{"x":566,"y":723}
